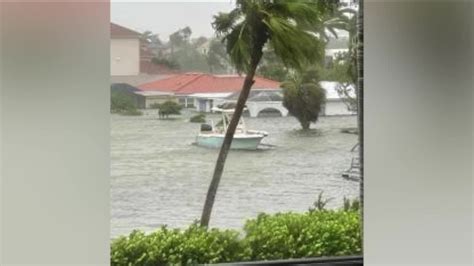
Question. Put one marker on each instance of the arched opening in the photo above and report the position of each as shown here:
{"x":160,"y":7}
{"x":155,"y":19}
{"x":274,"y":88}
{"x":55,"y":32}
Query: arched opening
{"x":269,"y":112}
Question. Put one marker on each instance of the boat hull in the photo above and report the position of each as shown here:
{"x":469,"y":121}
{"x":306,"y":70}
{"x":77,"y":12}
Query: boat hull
{"x":238,"y":143}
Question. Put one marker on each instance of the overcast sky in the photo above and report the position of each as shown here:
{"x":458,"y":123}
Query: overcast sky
{"x":165,"y":18}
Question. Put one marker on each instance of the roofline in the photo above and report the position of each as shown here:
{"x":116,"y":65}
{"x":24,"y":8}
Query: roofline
{"x":135,"y":34}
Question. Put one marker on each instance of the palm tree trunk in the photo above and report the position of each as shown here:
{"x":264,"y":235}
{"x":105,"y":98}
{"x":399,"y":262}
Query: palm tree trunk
{"x":360,"y":105}
{"x":220,"y":163}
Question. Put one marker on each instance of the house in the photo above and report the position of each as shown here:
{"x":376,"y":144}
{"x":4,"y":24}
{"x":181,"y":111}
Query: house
{"x":156,"y":97}
{"x":335,"y":104}
{"x":131,"y":64}
{"x":262,"y":103}
{"x":131,"y":56}
{"x":129,"y":92}
{"x":202,"y":91}
{"x":270,"y":102}
{"x":124,"y":51}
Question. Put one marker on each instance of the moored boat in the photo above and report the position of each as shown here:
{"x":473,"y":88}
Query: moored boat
{"x":212,"y":136}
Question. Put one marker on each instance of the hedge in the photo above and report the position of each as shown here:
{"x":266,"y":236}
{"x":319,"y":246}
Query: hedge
{"x":278,"y":236}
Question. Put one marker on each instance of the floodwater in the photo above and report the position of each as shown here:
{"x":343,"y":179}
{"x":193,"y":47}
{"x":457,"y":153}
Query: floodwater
{"x":158,"y":177}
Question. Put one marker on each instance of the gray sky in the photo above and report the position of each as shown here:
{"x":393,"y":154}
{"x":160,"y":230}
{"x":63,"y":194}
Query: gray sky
{"x":165,"y":18}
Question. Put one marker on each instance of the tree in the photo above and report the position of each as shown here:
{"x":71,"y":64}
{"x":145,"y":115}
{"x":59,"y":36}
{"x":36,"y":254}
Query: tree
{"x":246,"y":30}
{"x":343,"y":68}
{"x":216,"y":56}
{"x":168,"y":108}
{"x":151,"y":42}
{"x":334,"y":19}
{"x":190,"y":59}
{"x":184,"y":53}
{"x":168,"y":62}
{"x":343,"y":71}
{"x":304,"y":97}
{"x":272,"y":67}
{"x":179,"y":38}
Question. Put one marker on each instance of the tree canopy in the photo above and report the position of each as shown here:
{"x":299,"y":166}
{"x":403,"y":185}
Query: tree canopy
{"x":304,"y":97}
{"x":168,"y":108}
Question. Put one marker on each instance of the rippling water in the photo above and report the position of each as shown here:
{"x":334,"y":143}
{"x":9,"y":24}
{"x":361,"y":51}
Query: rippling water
{"x":159,"y":177}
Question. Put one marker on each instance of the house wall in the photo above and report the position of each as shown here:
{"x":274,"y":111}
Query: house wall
{"x":149,"y":100}
{"x":203,"y":105}
{"x":124,"y":57}
{"x":336,"y":108}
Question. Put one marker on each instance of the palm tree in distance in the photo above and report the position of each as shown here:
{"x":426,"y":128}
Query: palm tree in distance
{"x":286,"y":26}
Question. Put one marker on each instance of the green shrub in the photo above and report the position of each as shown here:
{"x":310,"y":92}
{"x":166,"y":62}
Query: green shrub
{"x":199,"y":118}
{"x":313,"y":234}
{"x":169,"y":108}
{"x":195,"y":245}
{"x":121,"y":103}
{"x":278,"y":236}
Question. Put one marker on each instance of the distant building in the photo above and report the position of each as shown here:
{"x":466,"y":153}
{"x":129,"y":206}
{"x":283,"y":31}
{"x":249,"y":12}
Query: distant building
{"x":335,"y":104}
{"x":124,"y":51}
{"x":270,"y":102}
{"x":131,"y":64}
{"x":156,"y":97}
{"x":263,"y":103}
{"x":203,"y":91}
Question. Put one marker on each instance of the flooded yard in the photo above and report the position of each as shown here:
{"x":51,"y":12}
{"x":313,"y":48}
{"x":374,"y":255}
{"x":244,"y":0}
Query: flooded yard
{"x":158,"y":177}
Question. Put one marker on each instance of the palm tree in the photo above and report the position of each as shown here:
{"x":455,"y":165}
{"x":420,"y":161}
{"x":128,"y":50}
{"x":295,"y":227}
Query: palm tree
{"x":304,"y":96}
{"x":283,"y":24}
{"x":333,"y":21}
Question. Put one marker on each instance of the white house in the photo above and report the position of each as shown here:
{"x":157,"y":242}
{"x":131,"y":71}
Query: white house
{"x":335,"y":104}
{"x":263,"y":102}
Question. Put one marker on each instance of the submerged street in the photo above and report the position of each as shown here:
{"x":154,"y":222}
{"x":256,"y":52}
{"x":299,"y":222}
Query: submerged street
{"x":158,"y":177}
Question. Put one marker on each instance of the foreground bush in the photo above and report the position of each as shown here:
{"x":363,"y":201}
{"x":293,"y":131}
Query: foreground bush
{"x":194,"y":245}
{"x":294,"y":235}
{"x":279,"y":236}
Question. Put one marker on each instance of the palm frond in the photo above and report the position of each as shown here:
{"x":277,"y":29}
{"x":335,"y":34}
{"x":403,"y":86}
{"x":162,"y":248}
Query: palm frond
{"x":238,"y":47}
{"x":304,"y":48}
{"x":302,"y":12}
{"x":224,"y":22}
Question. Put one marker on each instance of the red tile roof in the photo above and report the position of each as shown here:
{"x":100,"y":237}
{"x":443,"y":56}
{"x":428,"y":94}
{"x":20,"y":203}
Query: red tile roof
{"x":117,"y":31}
{"x":189,"y":83}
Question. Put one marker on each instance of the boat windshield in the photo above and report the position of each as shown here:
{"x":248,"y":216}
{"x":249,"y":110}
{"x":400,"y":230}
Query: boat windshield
{"x":222,"y":125}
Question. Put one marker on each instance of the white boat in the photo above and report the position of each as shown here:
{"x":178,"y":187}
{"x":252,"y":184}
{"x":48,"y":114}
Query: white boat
{"x":212,"y":136}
